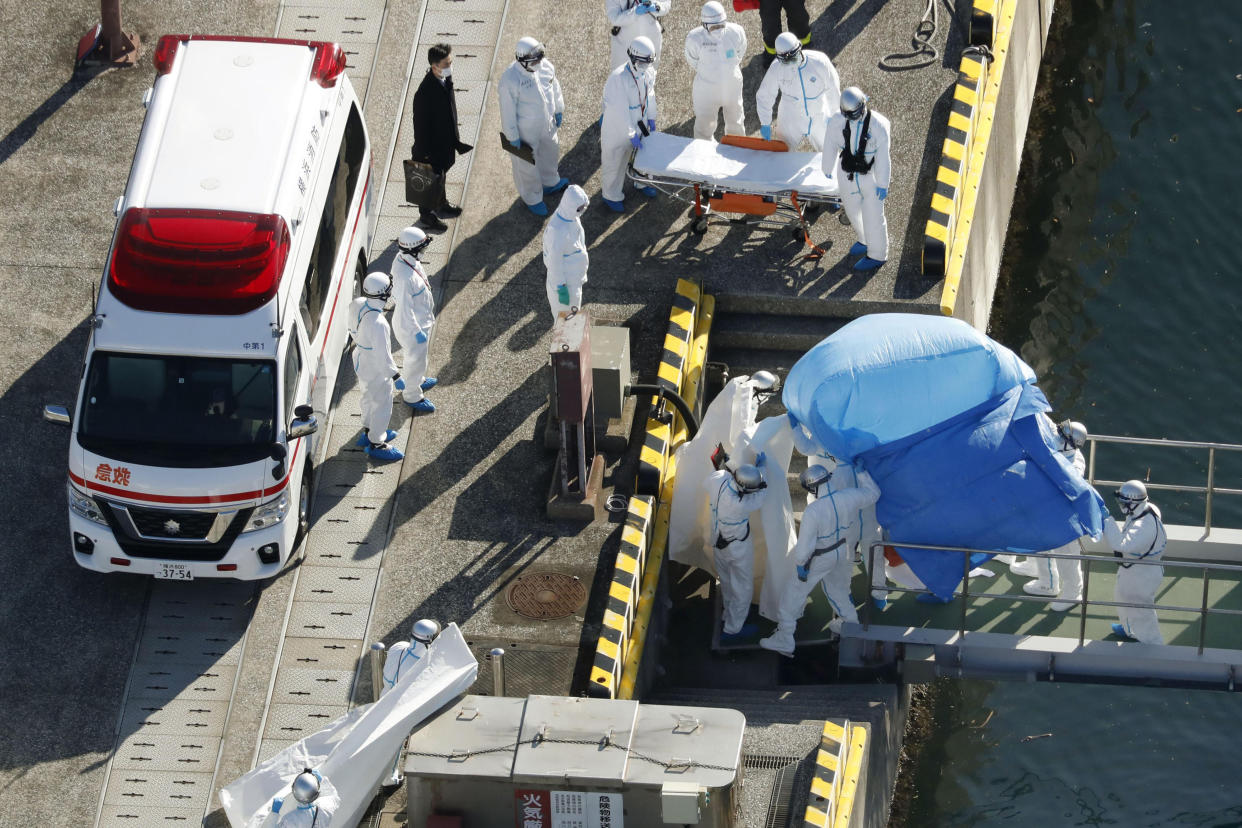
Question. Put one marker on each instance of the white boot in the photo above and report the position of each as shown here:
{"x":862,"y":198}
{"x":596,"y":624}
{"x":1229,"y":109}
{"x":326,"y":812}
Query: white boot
{"x":1036,"y":588}
{"x":781,"y":641}
{"x":1025,"y":568}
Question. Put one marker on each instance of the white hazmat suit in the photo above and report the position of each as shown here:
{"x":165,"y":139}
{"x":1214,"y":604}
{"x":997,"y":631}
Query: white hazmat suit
{"x":629,"y":97}
{"x":826,"y":540}
{"x":1056,"y":576}
{"x":627,"y":24}
{"x":373,"y":363}
{"x":729,"y":531}
{"x":400,"y":659}
{"x":1141,"y":538}
{"x":859,"y":195}
{"x":810,"y":92}
{"x":565,"y":252}
{"x":716,"y":58}
{"x":414,"y":314}
{"x":287,"y":812}
{"x":529,"y":104}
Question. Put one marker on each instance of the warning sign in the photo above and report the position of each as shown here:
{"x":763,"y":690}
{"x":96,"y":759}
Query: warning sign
{"x":567,"y":809}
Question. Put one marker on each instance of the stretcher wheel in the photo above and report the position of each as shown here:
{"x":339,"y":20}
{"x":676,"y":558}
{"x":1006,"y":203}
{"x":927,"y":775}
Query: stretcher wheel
{"x":796,"y":233}
{"x":699,"y":225}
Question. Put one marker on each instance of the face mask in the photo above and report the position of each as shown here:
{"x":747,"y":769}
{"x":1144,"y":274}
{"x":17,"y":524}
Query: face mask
{"x":446,"y":72}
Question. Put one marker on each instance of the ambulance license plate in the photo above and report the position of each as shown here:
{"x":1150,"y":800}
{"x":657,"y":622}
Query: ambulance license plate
{"x":174,"y":572}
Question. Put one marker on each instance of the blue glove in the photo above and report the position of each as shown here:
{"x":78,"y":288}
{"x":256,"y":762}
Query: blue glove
{"x":420,"y":338}
{"x":766,"y":131}
{"x":516,"y":143}
{"x":651,"y":124}
{"x":642,"y":8}
{"x":761,"y":459}
{"x":636,"y":141}
{"x":881,"y":193}
{"x":276,"y":803}
{"x":803,"y":573}
{"x":558,"y":117}
{"x":398,"y":383}
{"x":562,"y":293}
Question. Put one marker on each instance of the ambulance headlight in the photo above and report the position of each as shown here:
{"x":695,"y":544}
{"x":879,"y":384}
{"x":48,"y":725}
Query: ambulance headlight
{"x":83,"y":505}
{"x":269,"y":513}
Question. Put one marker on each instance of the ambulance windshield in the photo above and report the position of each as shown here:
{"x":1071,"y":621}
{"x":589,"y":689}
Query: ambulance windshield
{"x":181,"y":411}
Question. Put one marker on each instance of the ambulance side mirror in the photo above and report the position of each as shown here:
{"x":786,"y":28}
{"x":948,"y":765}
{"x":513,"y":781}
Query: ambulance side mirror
{"x":56,"y":414}
{"x":304,"y":423}
{"x":278,"y":453}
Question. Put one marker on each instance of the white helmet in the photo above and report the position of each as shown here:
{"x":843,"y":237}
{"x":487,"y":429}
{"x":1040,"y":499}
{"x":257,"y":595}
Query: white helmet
{"x":377,"y":285}
{"x":1132,"y":495}
{"x":641,"y":52}
{"x":749,"y":478}
{"x":713,"y":14}
{"x":413,"y":241}
{"x":306,"y":786}
{"x":425,"y":631}
{"x":764,"y":381}
{"x":788,"y":47}
{"x":853,"y":103}
{"x":813,"y":477}
{"x":529,"y":53}
{"x":1073,"y":434}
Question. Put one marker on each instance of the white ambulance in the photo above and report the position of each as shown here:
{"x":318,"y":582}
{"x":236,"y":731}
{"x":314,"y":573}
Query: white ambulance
{"x":221,"y":317}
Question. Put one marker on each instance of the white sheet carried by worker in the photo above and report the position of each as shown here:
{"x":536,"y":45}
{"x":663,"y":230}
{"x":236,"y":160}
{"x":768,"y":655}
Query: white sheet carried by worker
{"x":695,"y":160}
{"x":730,"y":421}
{"x":355,"y":751}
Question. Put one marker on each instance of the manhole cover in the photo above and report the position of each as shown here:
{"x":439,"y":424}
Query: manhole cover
{"x":546,"y":595}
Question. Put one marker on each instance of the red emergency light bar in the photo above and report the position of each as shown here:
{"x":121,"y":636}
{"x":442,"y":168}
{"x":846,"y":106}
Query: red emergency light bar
{"x":327,"y":66}
{"x":198,"y":261}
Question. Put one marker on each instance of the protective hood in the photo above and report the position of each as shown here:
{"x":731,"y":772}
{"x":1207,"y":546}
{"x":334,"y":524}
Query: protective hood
{"x":574,"y":199}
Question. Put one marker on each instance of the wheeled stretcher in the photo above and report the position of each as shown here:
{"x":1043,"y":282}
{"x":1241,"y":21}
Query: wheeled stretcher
{"x":739,"y":176}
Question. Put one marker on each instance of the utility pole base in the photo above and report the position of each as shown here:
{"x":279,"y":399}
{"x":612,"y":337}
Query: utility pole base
{"x":120,"y":52}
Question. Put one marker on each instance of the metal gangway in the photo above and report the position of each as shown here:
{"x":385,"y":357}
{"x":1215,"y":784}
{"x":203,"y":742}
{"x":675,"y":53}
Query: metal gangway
{"x":993,"y":629}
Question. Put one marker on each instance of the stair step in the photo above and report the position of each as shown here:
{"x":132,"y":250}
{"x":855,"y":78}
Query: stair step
{"x":759,"y":331}
{"x":748,"y":360}
{"x":844,"y":306}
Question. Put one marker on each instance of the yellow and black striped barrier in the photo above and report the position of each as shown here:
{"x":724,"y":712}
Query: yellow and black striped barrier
{"x":954,"y":157}
{"x":983,"y":23}
{"x":673,"y":363}
{"x":838,"y":767}
{"x":623,"y":592}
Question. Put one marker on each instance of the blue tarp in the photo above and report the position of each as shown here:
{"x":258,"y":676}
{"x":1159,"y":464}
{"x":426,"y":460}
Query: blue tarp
{"x":952,"y":427}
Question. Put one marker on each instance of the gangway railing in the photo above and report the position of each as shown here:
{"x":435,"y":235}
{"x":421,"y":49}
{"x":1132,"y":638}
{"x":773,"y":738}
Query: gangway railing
{"x":968,"y":596}
{"x":1209,"y":490}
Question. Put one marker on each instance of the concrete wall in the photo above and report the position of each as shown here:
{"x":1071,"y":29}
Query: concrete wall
{"x":998,"y":178}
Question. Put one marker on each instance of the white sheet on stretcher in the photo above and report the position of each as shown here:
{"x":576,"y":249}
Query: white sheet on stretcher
{"x":698,"y":161}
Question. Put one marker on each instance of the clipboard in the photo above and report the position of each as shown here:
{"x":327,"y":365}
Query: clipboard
{"x":525,"y":152}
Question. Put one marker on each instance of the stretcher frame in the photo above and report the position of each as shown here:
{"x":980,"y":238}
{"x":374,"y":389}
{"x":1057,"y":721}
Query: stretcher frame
{"x":768,"y":208}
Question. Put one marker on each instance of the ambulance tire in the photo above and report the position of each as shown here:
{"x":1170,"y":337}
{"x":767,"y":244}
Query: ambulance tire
{"x":305,"y":493}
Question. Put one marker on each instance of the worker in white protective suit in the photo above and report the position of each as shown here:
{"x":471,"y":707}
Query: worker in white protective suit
{"x":856,"y":157}
{"x":1141,"y":538}
{"x":845,"y":476}
{"x":374,"y":365}
{"x":732,"y":497}
{"x":824,"y":554}
{"x":413,"y":317}
{"x":400,"y":659}
{"x":531,"y":111}
{"x":635,"y":18}
{"x":714,"y":51}
{"x":629,"y":116}
{"x":810,"y":92}
{"x":565,"y":253}
{"x":1058,"y":577}
{"x":310,"y":803}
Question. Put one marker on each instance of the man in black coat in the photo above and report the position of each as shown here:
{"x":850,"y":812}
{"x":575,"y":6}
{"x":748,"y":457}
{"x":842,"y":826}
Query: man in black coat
{"x":436,"y":141}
